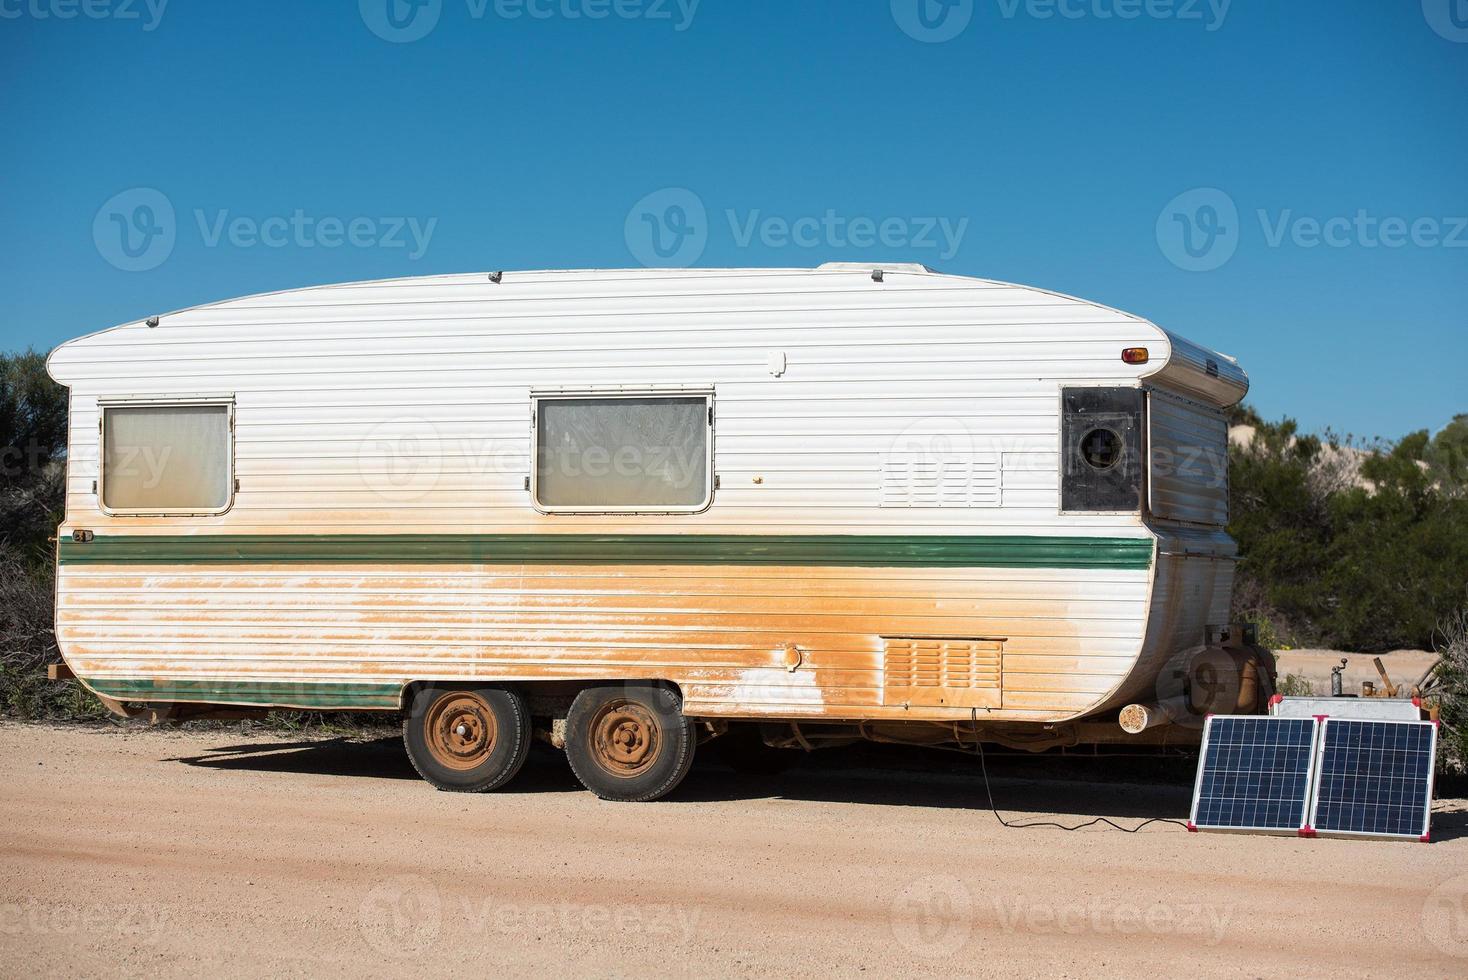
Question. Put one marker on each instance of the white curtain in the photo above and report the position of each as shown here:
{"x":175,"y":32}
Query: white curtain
{"x":165,"y":457}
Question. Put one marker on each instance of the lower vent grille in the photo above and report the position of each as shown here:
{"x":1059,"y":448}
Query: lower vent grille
{"x":942,"y":671}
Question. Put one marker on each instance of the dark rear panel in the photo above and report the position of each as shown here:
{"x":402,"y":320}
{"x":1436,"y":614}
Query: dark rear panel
{"x":1101,"y":450}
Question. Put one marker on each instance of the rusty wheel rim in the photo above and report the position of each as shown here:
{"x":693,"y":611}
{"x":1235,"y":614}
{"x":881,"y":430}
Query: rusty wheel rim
{"x":625,"y":738}
{"x":460,"y":730}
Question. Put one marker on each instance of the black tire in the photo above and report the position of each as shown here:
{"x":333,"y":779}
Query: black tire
{"x":743,"y":750}
{"x":629,"y":742}
{"x":465,"y":738}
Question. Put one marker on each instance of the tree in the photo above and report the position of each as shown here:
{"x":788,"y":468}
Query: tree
{"x":1447,"y":456}
{"x":1366,"y":564}
{"x":33,"y":420}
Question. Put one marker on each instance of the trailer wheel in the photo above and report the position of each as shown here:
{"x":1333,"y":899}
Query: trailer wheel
{"x":629,"y":743}
{"x":467,"y":739}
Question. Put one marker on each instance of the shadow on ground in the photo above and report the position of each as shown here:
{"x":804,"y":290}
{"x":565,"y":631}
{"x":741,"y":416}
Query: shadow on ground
{"x":877,"y":775}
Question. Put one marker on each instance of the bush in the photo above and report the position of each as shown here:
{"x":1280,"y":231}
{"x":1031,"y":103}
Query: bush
{"x":32,"y":487}
{"x":1366,"y":563}
{"x":1296,"y":686}
{"x":1450,"y":688}
{"x":28,"y":645}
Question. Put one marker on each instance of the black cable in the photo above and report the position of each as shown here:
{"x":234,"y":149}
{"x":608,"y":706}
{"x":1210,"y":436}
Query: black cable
{"x":1022,"y":825}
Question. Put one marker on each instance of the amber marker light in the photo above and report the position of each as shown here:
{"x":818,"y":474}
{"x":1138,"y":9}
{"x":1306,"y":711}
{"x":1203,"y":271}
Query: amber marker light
{"x":1136,"y":355}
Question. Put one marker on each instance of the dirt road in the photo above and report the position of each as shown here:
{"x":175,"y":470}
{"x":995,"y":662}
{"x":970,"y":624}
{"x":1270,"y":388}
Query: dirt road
{"x":220,"y":853}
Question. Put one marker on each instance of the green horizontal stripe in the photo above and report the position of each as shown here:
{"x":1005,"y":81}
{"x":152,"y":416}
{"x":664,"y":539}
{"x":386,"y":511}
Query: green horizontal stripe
{"x":619,"y":549}
{"x":306,"y":695}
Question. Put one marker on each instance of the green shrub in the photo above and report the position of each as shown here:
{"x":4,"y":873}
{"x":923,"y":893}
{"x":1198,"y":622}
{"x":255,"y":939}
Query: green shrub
{"x":1360,"y":567}
{"x":1450,"y":691}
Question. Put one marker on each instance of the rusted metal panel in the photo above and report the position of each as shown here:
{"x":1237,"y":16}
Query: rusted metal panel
{"x":720,"y":632}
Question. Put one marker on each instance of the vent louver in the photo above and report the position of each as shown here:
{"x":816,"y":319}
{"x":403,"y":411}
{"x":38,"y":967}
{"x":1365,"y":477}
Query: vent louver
{"x":942,"y":671}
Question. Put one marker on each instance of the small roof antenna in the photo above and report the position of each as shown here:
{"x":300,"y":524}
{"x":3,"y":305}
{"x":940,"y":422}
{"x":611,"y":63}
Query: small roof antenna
{"x":495,"y":277}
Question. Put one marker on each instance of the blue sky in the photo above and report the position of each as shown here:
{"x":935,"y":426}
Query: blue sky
{"x":1284,"y":181}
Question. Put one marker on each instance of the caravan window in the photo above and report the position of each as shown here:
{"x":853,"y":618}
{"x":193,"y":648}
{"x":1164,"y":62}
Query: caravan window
{"x":622,"y":453}
{"x":166,"y":458}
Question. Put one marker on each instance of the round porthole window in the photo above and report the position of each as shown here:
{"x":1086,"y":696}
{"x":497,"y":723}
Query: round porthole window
{"x":1102,"y":449}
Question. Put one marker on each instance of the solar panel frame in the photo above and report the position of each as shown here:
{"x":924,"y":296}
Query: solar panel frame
{"x":1242,"y":743}
{"x":1418,"y":738}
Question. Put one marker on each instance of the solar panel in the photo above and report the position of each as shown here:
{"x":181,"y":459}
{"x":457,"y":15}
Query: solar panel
{"x":1254,"y":774}
{"x":1374,"y":778}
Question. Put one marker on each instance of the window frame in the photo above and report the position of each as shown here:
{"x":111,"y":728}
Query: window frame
{"x":537,"y":396}
{"x":231,"y":483}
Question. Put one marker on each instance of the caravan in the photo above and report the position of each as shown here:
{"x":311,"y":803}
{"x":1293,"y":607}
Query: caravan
{"x":634,"y":511}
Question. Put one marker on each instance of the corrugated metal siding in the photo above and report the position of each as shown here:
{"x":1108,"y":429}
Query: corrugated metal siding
{"x":406,"y":405}
{"x":403,"y":407}
{"x":721,"y":631}
{"x":1188,"y":446}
